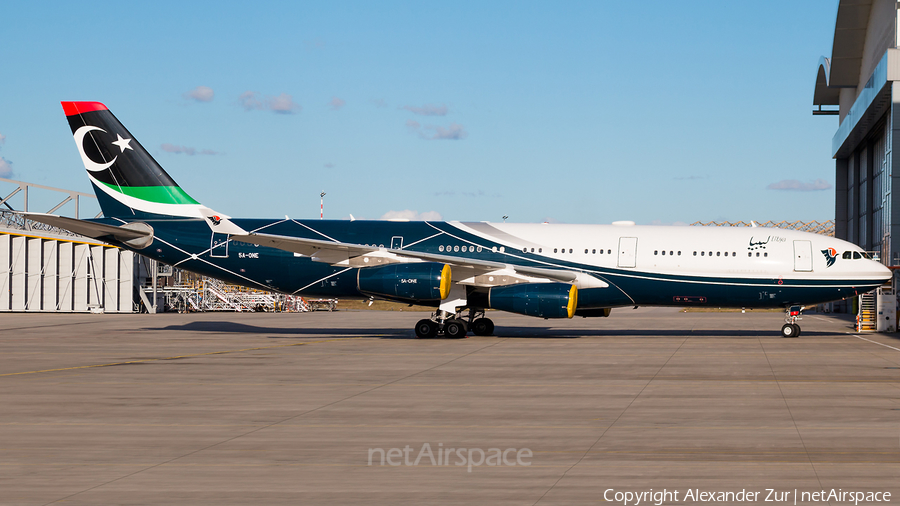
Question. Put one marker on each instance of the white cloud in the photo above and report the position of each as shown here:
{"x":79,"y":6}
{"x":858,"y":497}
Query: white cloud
{"x":336,"y":103}
{"x":200,"y":94}
{"x":427,"y":110}
{"x":282,"y":104}
{"x":329,"y":165}
{"x":2,"y":138}
{"x":379,"y":102}
{"x":797,"y":186}
{"x":187,"y":150}
{"x":453,"y":132}
{"x":407,"y":214}
{"x":6,"y":169}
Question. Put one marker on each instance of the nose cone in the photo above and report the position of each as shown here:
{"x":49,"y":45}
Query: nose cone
{"x":877,"y":270}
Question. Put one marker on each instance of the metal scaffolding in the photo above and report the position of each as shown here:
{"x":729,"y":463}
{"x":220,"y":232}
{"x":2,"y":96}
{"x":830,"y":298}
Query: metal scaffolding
{"x":816,"y":227}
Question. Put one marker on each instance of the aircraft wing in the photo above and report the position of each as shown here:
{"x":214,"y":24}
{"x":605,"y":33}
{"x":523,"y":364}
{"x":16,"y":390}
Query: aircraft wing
{"x":341,"y":254}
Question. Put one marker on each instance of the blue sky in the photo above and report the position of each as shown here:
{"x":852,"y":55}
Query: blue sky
{"x":577,"y":112}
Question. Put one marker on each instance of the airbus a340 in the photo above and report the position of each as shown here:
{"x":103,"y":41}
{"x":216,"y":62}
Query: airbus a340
{"x":459,"y":268}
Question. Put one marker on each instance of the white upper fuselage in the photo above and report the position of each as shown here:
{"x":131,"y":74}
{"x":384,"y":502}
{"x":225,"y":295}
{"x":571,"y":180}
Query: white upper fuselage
{"x":730,"y":252}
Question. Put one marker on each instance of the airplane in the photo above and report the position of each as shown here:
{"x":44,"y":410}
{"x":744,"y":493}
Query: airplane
{"x":461,"y":269}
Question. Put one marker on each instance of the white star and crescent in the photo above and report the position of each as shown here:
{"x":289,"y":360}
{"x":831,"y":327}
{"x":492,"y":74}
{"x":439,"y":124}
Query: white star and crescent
{"x":122,"y":143}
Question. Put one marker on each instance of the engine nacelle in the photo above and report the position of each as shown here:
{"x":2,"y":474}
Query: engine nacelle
{"x":545,"y":300}
{"x":413,"y":282}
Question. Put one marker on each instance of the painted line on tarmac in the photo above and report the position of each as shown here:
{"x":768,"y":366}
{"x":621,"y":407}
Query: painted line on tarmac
{"x":223,"y":352}
{"x":875,"y":342}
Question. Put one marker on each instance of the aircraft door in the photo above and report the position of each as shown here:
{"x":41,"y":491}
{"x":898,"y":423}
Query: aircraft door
{"x":803,"y":256}
{"x":397,"y":242}
{"x":627,"y":251}
{"x":218,"y":247}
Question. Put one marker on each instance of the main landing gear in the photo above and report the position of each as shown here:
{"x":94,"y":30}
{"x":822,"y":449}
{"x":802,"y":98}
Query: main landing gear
{"x":790,"y":327}
{"x":454,"y":326}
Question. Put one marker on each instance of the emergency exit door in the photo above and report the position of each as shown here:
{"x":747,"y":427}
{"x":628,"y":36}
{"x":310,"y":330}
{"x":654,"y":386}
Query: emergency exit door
{"x":627,"y":251}
{"x":803,"y":256}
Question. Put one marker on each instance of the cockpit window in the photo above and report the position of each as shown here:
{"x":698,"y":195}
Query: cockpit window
{"x":856,"y":255}
{"x":847,"y":255}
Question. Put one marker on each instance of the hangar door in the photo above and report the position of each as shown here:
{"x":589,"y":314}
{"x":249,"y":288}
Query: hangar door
{"x":803,"y":256}
{"x":627,"y":251}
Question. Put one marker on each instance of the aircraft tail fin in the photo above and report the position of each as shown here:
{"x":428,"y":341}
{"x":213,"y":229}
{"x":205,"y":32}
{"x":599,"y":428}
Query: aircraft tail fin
{"x":128,"y":182}
{"x":126,"y":179}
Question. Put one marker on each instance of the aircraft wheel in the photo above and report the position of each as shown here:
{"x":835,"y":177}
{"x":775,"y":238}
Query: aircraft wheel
{"x":483,"y":327}
{"x":455,"y":329}
{"x":426,"y":329}
{"x":789,"y":330}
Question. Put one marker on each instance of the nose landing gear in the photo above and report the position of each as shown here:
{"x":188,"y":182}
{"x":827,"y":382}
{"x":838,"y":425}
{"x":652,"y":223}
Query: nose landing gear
{"x":790,"y":327}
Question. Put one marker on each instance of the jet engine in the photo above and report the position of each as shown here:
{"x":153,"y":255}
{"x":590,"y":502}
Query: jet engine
{"x":425,"y":282}
{"x":544,"y":300}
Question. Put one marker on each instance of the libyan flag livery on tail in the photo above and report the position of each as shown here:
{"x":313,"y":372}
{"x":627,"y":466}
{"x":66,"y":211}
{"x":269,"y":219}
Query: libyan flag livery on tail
{"x":127,"y":180}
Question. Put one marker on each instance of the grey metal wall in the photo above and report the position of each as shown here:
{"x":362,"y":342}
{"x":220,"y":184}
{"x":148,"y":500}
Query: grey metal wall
{"x":54,"y":274}
{"x":863,"y":193}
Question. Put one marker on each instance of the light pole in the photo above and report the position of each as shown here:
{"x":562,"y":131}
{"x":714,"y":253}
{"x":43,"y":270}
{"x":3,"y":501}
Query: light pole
{"x":505,"y":217}
{"x":322,"y":206}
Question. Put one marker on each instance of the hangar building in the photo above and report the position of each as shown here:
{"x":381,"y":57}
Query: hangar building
{"x":860,"y":83}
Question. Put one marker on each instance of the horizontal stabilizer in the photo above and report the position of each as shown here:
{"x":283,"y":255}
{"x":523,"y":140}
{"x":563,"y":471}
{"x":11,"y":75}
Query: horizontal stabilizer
{"x":136,"y":234}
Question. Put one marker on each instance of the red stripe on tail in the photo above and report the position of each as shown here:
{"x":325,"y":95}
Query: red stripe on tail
{"x":73,"y":108}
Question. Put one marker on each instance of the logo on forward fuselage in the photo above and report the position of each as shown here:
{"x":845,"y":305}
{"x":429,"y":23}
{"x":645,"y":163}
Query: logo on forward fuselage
{"x":830,"y":255}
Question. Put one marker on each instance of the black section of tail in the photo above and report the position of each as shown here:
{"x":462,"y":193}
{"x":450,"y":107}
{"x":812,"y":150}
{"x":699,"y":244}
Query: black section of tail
{"x":109,"y":141}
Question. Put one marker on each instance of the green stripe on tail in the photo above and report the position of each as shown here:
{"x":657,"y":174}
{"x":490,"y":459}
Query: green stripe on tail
{"x":157,"y":194}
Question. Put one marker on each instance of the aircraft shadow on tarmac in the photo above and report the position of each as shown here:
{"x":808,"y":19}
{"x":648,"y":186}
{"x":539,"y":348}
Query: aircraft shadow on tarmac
{"x":241,"y":328}
{"x":512,"y":332}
